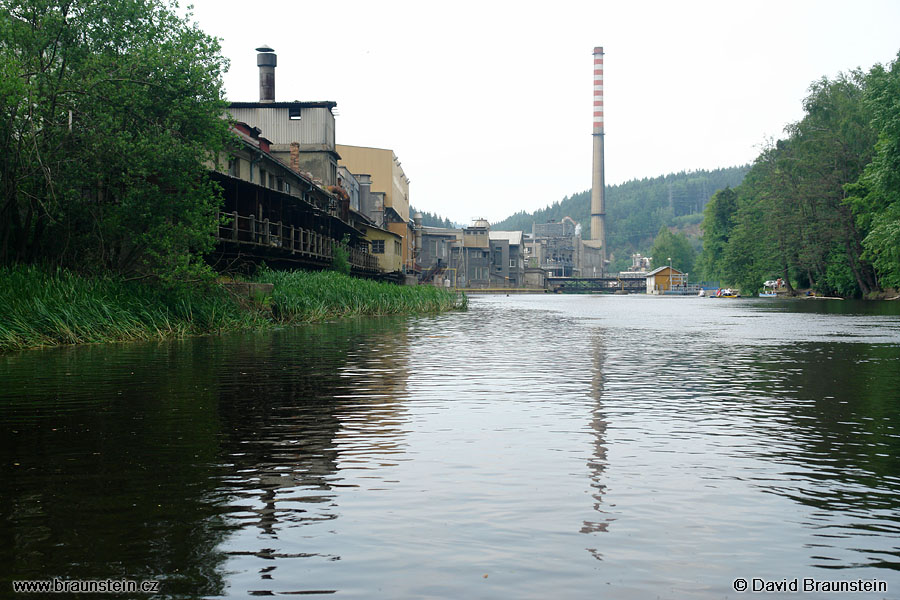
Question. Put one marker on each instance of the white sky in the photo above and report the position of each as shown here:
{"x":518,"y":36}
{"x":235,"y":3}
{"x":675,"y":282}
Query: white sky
{"x":488,"y":105}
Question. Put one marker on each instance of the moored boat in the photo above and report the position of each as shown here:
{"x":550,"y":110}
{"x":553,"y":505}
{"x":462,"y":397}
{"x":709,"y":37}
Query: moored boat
{"x":726,"y":293}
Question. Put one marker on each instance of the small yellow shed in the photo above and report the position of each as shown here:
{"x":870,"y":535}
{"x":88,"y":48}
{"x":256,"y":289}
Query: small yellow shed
{"x":665,"y":279}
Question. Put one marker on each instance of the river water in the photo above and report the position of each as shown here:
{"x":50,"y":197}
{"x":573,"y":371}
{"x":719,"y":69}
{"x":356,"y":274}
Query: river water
{"x":531,"y":447}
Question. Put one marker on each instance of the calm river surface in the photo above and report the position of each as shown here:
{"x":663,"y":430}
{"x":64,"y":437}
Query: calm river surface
{"x":531,"y":447}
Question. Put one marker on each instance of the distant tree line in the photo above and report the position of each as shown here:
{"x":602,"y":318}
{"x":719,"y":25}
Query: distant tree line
{"x":820,"y":208}
{"x":639,"y":210}
{"x":433,"y":220}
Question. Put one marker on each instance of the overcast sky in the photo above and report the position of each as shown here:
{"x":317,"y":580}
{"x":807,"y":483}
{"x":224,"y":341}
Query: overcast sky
{"x":488,"y":104}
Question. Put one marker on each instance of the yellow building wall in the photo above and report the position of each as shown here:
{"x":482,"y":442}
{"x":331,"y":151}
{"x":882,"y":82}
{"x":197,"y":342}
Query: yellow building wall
{"x":400,"y":229}
{"x":387,"y":174}
{"x":391,"y":260}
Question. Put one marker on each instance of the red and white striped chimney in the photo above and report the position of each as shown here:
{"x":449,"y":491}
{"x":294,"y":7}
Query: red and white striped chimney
{"x":598,"y":175}
{"x":598,"y":89}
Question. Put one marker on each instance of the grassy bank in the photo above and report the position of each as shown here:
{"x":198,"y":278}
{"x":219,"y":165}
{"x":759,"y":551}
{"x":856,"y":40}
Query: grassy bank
{"x":49,"y":307}
{"x":303,"y":297}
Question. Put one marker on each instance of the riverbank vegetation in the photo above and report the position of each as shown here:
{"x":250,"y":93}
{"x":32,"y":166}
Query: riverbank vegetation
{"x":47,"y":307}
{"x":110,"y":114}
{"x":820,"y":208}
{"x":110,"y":118}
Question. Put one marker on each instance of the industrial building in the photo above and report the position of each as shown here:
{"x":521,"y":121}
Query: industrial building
{"x":390,"y":206}
{"x":369,"y":190}
{"x":301,"y":134}
{"x":276,"y":214}
{"x":554,"y":247}
{"x":472,"y":257}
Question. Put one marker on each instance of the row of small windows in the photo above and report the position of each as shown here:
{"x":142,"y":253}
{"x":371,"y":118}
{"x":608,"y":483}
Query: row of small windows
{"x":266,"y":179}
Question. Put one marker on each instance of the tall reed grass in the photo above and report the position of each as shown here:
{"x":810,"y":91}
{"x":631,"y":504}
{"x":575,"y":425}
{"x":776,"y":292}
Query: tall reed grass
{"x":301,"y":296}
{"x":46,"y":307}
{"x":42,"y":307}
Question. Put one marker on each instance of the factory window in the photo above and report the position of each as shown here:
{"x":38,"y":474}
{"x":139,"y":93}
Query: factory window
{"x":279,"y":184}
{"x":262,"y":177}
{"x":377,"y":246}
{"x":512,"y":263}
{"x":294,"y":114}
{"x":234,"y":167}
{"x":397,"y":247}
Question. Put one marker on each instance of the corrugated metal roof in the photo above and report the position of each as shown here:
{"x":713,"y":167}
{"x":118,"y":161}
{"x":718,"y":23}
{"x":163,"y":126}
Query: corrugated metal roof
{"x":513,"y":237}
{"x":296,"y":104}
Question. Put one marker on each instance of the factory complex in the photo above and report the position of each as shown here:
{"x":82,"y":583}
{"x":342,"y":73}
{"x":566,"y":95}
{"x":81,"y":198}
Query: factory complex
{"x":292,"y":193}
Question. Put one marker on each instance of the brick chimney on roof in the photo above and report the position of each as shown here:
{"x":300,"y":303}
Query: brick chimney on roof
{"x":295,"y":157}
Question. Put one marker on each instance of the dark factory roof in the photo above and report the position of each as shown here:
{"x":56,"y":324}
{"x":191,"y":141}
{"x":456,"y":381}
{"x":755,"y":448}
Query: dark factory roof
{"x":294,"y":104}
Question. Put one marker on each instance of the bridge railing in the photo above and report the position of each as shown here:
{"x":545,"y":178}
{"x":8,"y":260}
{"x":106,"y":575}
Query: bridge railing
{"x":247,"y":229}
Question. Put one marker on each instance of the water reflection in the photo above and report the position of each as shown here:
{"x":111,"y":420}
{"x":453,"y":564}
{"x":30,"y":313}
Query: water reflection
{"x":682,"y":443}
{"x":597,"y":463}
{"x":300,"y":413}
{"x":160,"y":461}
{"x":108,"y":467}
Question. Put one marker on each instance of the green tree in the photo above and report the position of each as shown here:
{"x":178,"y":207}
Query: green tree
{"x":675,"y":246}
{"x":793,"y":218}
{"x":875,"y":198}
{"x":718,"y":222}
{"x":111,"y":115}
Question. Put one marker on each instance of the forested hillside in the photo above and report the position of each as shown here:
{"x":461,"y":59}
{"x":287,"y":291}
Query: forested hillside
{"x":433,"y":219}
{"x":636,"y":210}
{"x":821,"y":209}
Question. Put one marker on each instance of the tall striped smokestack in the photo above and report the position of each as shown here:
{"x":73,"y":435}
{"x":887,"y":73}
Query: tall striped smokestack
{"x":598,"y":180}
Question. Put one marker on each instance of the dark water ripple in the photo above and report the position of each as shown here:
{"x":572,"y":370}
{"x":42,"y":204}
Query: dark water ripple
{"x":533,"y":447}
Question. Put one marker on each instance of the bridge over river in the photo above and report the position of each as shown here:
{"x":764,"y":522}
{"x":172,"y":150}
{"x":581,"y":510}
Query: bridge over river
{"x":609,"y":285}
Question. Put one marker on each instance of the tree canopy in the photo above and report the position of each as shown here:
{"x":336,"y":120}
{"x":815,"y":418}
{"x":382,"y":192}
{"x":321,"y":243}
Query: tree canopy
{"x":110,"y":114}
{"x":674,"y":247}
{"x":820,"y":208}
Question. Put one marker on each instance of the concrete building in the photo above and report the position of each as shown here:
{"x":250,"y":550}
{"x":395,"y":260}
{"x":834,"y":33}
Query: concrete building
{"x":554,"y":247}
{"x":507,"y":258}
{"x":535,"y":277}
{"x":351,"y":185}
{"x":301,"y":134}
{"x":472,"y":257}
{"x":387,"y":179}
{"x":434,"y":254}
